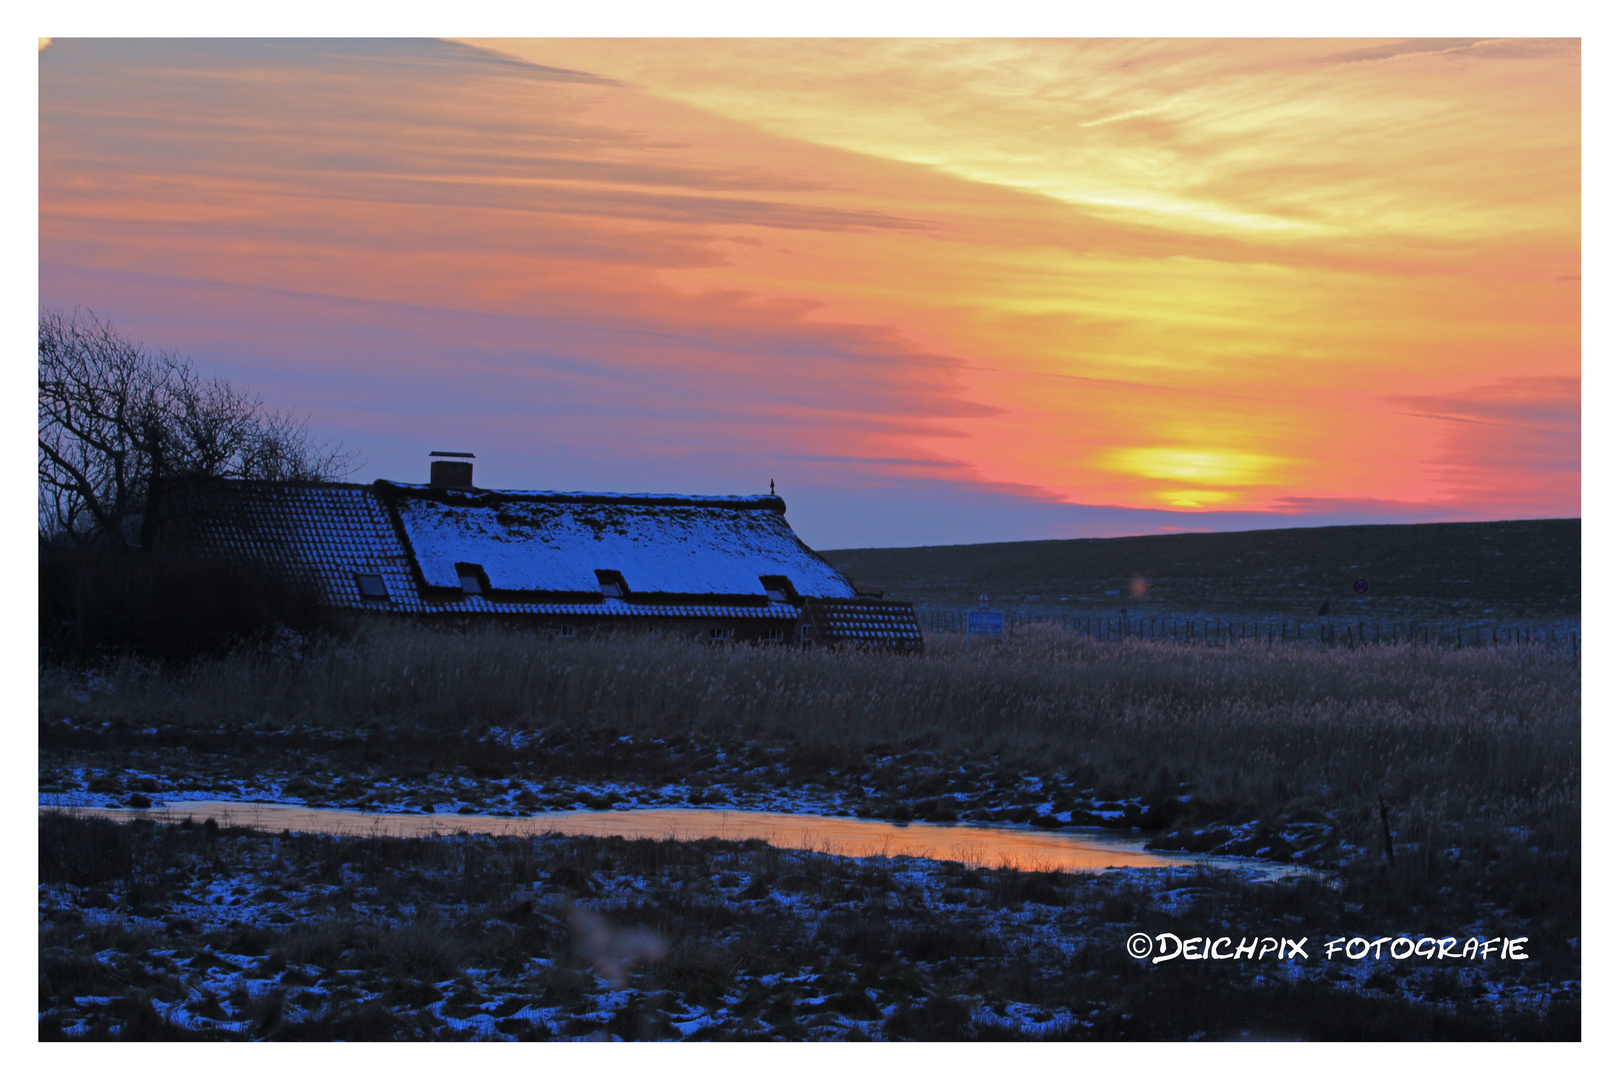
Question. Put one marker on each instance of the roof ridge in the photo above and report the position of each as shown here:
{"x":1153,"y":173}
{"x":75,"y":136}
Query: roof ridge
{"x":487,"y":496}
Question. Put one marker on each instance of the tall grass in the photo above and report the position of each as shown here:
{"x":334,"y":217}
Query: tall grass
{"x":1465,"y":732}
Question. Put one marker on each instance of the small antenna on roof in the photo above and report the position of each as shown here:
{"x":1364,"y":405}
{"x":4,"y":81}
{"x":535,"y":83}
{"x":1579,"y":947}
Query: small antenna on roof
{"x":773,"y":485}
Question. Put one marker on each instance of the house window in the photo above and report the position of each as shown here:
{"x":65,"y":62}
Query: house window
{"x":472,"y":578}
{"x":719,"y":633}
{"x":612,"y":584}
{"x":805,"y":632}
{"x":371,"y":586}
{"x":773,"y":635}
{"x":563,"y":631}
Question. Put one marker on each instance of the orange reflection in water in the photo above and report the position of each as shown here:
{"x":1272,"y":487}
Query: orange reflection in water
{"x":974,"y":845}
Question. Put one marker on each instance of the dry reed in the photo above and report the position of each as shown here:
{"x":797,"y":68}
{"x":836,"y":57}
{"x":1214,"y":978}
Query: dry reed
{"x":1465,"y":732}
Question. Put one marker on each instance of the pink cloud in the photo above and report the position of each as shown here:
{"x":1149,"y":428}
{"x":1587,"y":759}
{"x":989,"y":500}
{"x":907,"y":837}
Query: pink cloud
{"x":1514,"y":443}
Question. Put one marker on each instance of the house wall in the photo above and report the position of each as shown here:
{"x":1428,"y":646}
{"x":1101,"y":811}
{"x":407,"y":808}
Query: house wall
{"x":743,"y":631}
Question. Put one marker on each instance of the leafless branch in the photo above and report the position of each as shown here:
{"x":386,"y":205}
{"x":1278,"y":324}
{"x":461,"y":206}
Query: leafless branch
{"x":117,"y":423}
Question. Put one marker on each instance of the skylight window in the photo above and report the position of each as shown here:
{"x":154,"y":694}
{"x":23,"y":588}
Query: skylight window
{"x":472,"y":578}
{"x":778,"y":588}
{"x":612,"y":584}
{"x":371,"y":586}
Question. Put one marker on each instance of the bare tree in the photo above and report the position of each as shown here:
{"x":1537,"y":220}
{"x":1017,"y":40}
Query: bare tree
{"x":119,"y":424}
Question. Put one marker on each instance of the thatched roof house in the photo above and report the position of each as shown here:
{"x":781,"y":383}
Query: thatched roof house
{"x":728,"y":567}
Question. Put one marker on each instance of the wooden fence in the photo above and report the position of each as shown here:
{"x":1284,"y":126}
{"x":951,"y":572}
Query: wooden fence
{"x":1328,"y":633}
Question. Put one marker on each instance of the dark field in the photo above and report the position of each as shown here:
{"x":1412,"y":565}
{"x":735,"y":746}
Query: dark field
{"x":190,"y":931}
{"x":1498,"y":570}
{"x":1281,"y":752}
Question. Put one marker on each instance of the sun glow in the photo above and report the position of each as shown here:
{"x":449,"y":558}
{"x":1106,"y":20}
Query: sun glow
{"x":1194,"y":500}
{"x":1230,"y":468}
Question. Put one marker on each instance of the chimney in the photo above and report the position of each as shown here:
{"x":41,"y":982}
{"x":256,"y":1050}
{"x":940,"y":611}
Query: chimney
{"x":447,"y":473}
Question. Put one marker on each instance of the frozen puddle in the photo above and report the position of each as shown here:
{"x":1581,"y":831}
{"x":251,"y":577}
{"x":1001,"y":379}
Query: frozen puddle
{"x":990,"y":846}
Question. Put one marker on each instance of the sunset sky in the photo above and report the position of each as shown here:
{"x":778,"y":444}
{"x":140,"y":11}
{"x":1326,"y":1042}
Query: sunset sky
{"x":941,"y":291}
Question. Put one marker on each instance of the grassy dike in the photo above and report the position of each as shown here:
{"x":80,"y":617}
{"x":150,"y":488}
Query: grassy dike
{"x":1282,"y":752}
{"x":1493,"y":570}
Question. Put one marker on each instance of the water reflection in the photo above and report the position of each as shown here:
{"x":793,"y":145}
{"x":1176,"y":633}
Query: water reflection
{"x":975,"y":845}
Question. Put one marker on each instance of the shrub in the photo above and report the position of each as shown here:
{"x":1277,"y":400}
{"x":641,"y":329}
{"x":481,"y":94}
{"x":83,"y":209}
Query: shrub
{"x":83,"y":851}
{"x":100,"y":601}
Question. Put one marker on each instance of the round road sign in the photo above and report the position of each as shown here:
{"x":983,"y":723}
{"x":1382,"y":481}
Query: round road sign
{"x":1360,"y":586}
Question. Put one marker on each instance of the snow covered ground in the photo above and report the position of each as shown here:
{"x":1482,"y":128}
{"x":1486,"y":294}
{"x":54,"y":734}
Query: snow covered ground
{"x":191,"y":930}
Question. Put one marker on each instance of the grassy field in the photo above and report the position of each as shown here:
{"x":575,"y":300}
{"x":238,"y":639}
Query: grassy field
{"x":1244,"y":722}
{"x":1284,"y":752}
{"x":1470,"y":746}
{"x":1505,"y":570}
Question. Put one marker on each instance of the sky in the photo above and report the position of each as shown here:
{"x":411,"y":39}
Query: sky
{"x":941,"y":291}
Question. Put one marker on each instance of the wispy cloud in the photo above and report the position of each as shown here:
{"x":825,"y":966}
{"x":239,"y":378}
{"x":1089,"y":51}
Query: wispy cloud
{"x":1046,"y":276}
{"x":1515,"y":441}
{"x":1538,"y":403}
{"x":1398,"y":48}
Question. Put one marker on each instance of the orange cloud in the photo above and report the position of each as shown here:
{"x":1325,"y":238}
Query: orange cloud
{"x":1233,"y":277}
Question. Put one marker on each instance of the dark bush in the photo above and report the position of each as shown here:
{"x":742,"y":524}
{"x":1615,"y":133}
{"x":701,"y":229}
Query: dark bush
{"x":100,"y":601}
{"x":83,"y":851}
{"x":142,"y":1023}
{"x":938,"y":1019}
{"x":342,"y":1021}
{"x":64,"y":975}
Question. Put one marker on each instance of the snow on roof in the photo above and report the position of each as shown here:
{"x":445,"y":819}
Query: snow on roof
{"x":592,"y":496}
{"x":554,"y":541}
{"x":680,"y":555}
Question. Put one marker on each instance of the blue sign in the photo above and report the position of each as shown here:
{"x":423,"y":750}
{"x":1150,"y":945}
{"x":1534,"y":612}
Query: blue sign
{"x":985,"y":622}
